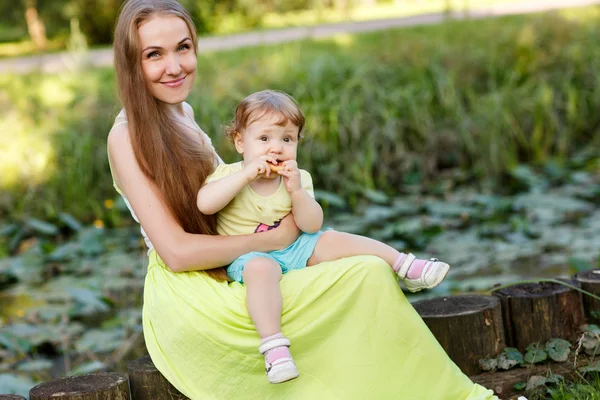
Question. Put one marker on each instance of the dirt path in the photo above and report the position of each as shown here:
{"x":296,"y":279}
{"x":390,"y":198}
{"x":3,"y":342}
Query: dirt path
{"x":58,"y":62}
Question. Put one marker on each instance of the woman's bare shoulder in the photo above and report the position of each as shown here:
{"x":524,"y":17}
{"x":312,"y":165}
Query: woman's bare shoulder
{"x":188,"y":109}
{"x":118,"y":137}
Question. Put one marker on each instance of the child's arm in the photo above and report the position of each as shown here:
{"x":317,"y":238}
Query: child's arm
{"x":308,"y":214}
{"x":214,"y":196}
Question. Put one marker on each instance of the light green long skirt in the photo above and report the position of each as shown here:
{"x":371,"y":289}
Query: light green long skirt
{"x":354,"y":336}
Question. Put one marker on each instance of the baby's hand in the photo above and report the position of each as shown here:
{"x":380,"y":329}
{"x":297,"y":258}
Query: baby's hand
{"x":257,"y":167}
{"x":291,"y":176}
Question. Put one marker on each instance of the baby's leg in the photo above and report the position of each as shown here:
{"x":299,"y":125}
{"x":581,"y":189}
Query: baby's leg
{"x":263,"y":295}
{"x":333,"y":245}
{"x":263,"y":299}
{"x":418,"y":274}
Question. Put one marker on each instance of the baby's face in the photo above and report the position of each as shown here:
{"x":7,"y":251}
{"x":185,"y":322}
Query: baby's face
{"x":266,"y":137}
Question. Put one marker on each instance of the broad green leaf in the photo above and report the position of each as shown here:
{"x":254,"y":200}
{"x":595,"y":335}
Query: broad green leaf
{"x":520,"y":386}
{"x":90,"y":240}
{"x":513,"y":354}
{"x":70,"y":221}
{"x":88,"y":302}
{"x":558,"y":349}
{"x":15,"y":384}
{"x":100,"y":341}
{"x":535,"y":381}
{"x":376,"y":196}
{"x":330,"y":199}
{"x":591,"y":344}
{"x":488,"y":364}
{"x":66,"y":252}
{"x":88,"y":368}
{"x":8,"y":229}
{"x":595,"y":367}
{"x":580,"y":265}
{"x":39,"y":226}
{"x":35,"y":365}
{"x":506,"y":363}
{"x":535,"y":355}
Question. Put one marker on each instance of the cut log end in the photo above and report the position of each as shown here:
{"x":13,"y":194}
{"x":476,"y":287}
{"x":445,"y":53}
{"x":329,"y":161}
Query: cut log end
{"x":110,"y":385}
{"x":455,"y":305}
{"x":541,"y":289}
{"x":591,"y":276}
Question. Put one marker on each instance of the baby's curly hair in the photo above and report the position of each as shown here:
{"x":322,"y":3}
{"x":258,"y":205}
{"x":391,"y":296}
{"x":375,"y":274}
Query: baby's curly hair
{"x":265,"y":103}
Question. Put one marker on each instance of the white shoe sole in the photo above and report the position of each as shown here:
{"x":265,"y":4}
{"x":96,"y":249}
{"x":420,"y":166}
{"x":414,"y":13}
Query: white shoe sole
{"x":283,"y":373}
{"x":441,"y":277}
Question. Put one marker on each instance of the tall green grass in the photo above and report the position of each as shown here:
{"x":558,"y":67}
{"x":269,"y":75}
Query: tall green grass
{"x":384,"y":109}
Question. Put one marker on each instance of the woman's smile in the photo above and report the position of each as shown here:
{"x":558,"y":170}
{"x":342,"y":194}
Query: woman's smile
{"x":175,"y":83}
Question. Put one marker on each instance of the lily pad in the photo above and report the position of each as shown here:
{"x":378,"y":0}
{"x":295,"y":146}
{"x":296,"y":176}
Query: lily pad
{"x":70,"y":221}
{"x":14,"y":384}
{"x":42,"y":227}
{"x":35,"y":365}
{"x":88,"y":368}
{"x":100,"y":341}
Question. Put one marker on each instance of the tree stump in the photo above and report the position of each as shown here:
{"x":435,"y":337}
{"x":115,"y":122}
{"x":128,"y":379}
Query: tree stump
{"x":96,"y":386}
{"x":468,"y":327}
{"x":147,"y":383}
{"x":11,"y":397}
{"x":590,"y":282}
{"x":537,"y":312}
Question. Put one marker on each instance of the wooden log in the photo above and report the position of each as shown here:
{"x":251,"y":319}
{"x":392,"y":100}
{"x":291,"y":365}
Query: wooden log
{"x":96,"y":386}
{"x":590,"y":282}
{"x":537,"y":312}
{"x":147,"y":383}
{"x":503,"y":382}
{"x":468,"y":327}
{"x":11,"y":397}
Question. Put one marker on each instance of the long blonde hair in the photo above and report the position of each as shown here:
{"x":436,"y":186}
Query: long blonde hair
{"x":175,"y":161}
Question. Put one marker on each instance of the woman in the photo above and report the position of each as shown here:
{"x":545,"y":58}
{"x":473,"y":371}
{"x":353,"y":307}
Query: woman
{"x":355,"y":334}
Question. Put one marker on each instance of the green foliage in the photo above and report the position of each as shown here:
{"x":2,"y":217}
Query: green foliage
{"x":535,"y":354}
{"x":396,"y":108}
{"x":558,"y":349}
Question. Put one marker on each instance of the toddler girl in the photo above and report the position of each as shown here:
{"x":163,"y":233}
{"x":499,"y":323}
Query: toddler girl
{"x":250,"y":197}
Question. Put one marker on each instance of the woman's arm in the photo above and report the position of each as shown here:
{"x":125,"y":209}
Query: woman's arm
{"x":180,"y":250}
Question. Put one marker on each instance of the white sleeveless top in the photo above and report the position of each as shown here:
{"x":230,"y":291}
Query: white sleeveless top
{"x":122,"y":119}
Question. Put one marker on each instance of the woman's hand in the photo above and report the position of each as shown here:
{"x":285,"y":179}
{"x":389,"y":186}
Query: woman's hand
{"x":281,"y":237}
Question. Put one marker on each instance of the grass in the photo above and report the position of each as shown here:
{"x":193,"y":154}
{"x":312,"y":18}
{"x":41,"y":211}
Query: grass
{"x":585,"y":388}
{"x":235,"y":24}
{"x":384,"y":109}
{"x":391,"y":9}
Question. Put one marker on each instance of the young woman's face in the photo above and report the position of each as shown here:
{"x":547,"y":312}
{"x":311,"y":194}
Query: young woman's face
{"x":168,"y":58}
{"x":266,"y":137}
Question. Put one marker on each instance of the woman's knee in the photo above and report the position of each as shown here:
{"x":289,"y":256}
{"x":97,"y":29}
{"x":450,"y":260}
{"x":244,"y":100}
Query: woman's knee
{"x":261,"y":268}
